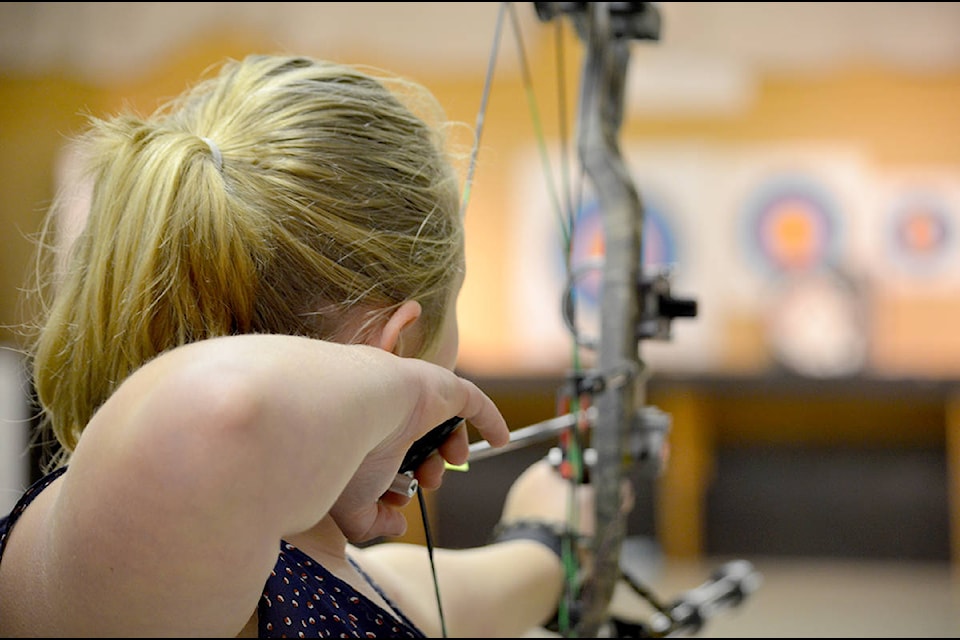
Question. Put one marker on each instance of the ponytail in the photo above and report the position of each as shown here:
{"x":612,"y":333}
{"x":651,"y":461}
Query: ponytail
{"x":162,"y":261}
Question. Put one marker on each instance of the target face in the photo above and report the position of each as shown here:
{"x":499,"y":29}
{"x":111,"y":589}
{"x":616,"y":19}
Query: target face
{"x":792,"y":226}
{"x":587,"y":250}
{"x":659,"y":248}
{"x":921,"y":234}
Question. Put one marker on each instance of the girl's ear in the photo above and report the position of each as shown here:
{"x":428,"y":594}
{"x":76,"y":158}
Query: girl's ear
{"x":396,"y":326}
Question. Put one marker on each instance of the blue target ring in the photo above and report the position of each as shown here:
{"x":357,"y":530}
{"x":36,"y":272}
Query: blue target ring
{"x":792,"y":225}
{"x":587,"y":247}
{"x":921,"y":234}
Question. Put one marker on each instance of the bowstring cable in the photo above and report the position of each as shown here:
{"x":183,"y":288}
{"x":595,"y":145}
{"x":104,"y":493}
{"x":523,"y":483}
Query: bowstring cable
{"x":433,"y":566}
{"x":468,"y":183}
{"x":482,"y":111}
{"x":569,"y":558}
{"x":569,"y":552}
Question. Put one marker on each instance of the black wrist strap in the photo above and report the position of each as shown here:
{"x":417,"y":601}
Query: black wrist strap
{"x":549,"y":535}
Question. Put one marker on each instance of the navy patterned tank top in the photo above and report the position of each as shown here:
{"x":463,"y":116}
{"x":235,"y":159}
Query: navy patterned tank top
{"x":300,"y":599}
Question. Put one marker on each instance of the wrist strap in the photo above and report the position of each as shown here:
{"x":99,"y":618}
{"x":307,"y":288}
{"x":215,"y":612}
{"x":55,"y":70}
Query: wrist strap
{"x":549,"y":535}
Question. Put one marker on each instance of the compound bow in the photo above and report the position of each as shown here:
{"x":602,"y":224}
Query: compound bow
{"x":626,"y":437}
{"x":606,"y":30}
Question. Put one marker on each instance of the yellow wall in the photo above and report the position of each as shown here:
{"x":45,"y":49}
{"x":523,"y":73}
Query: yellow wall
{"x":896,"y":118}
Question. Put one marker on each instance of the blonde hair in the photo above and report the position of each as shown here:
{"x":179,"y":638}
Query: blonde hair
{"x":283,"y":195}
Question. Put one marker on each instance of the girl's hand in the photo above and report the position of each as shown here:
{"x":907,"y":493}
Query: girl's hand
{"x":365,"y":508}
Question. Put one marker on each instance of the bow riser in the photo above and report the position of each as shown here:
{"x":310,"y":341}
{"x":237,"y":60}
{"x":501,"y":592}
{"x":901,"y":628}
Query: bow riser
{"x":607,"y":54}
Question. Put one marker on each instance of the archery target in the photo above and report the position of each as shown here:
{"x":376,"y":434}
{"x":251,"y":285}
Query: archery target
{"x":917,"y":245}
{"x":921,"y":231}
{"x":669,"y":180}
{"x":790,"y":210}
{"x":746,"y":232}
{"x":791,"y":224}
{"x":916,"y":268}
{"x":659,"y":241}
{"x":587,"y":249}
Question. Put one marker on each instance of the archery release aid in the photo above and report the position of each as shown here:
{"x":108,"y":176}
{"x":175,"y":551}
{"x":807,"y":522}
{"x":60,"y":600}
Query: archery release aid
{"x":405,"y":483}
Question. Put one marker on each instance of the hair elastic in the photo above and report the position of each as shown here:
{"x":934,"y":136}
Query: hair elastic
{"x":215,"y":150}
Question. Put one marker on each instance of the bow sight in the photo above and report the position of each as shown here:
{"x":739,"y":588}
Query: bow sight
{"x":657,"y":307}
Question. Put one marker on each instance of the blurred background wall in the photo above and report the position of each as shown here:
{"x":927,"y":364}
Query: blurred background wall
{"x":800,"y":165}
